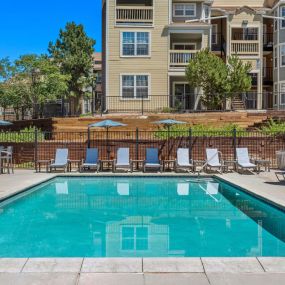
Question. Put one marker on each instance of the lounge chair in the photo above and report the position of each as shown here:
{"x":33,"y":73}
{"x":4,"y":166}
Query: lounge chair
{"x":91,"y":160}
{"x":243,"y":160}
{"x":152,"y":160}
{"x":123,"y":159}
{"x":183,"y":189}
{"x":214,"y":159}
{"x":7,"y":159}
{"x":61,"y":160}
{"x":183,"y":161}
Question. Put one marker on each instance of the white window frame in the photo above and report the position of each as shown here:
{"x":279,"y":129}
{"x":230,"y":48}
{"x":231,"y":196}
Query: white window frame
{"x":276,"y":21}
{"x":194,"y":44}
{"x":135,"y":238}
{"x":282,"y":93}
{"x":204,"y":16}
{"x":280,"y":52}
{"x":135,"y":55}
{"x":281,"y":21}
{"x":216,"y":37}
{"x":275,"y":94}
{"x":184,"y":10}
{"x":275,"y":57}
{"x":135,"y":86}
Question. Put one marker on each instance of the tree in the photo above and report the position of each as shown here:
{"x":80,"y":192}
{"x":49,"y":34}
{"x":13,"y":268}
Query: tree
{"x":73,"y":52}
{"x":40,"y":79}
{"x":217,"y":79}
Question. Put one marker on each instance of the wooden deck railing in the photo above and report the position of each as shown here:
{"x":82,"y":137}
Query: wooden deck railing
{"x":245,"y":47}
{"x":180,"y":58}
{"x":134,"y":14}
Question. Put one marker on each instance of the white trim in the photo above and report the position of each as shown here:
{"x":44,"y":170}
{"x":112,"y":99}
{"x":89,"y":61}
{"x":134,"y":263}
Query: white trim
{"x":280,"y":15}
{"x":275,"y":94}
{"x":135,"y":32}
{"x":135,"y":98}
{"x":184,"y":16}
{"x":216,"y":42}
{"x":184,"y":43}
{"x":280,"y":93}
{"x":275,"y":56}
{"x":280,"y":54}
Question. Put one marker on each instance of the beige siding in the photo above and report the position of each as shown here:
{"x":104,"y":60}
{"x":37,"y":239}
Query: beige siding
{"x":240,"y":3}
{"x":156,"y":66}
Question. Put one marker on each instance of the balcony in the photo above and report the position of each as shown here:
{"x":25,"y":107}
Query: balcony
{"x":268,"y":42}
{"x":134,"y":15}
{"x":245,"y":48}
{"x":180,"y":58}
{"x":267,"y":75}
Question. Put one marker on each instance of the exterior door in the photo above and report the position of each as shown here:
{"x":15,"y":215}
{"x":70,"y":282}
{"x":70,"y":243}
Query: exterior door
{"x":184,"y":96}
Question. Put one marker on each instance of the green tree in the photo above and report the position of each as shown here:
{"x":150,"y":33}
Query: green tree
{"x":217,"y":79}
{"x":41,"y":81}
{"x":73,"y":52}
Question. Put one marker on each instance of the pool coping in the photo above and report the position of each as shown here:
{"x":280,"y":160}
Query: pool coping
{"x":144,"y":265}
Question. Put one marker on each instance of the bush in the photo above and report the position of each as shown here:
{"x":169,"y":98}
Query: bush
{"x":272,"y":126}
{"x":24,"y":135}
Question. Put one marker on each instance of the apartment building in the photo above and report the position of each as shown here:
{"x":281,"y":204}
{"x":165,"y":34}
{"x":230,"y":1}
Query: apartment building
{"x":147,"y":45}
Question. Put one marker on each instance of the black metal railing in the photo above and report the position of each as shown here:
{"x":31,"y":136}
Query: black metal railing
{"x":29,"y":147}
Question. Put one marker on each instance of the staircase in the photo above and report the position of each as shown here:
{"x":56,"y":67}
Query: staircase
{"x":238,"y":104}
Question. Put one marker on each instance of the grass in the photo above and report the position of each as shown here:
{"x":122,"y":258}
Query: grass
{"x":26,"y":135}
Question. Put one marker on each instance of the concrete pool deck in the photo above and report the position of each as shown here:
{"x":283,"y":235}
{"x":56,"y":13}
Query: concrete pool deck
{"x":146,"y":271}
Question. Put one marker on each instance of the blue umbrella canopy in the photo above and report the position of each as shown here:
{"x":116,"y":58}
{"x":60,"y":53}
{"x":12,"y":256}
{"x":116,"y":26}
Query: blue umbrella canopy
{"x":5,"y":123}
{"x":169,"y":122}
{"x":106,"y":124}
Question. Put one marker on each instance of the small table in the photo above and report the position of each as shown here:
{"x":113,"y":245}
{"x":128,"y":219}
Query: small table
{"x":168,"y":163}
{"x":106,"y":162}
{"x":262,"y":162}
{"x":228,"y":163}
{"x":40,"y":163}
{"x":138,"y":163}
{"x":73,"y":161}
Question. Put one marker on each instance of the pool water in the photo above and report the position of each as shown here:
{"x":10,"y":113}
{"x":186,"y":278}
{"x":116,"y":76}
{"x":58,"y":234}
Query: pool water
{"x":139,"y":217}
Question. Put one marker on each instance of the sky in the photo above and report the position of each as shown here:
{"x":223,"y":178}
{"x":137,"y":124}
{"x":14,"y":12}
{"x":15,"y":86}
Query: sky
{"x":27,"y":26}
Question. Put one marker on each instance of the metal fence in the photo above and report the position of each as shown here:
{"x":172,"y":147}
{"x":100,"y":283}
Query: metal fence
{"x":32,"y":146}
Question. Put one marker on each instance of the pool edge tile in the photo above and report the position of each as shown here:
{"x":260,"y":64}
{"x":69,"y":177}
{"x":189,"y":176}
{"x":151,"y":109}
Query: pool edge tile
{"x":53,"y":265}
{"x":112,"y":265}
{"x":273,"y":264}
{"x":12,"y":265}
{"x":232,"y":265}
{"x":173,"y":265}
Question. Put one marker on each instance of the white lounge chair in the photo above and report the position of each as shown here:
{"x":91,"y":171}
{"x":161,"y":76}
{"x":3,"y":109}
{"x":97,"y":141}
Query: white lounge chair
{"x":183,"y":161}
{"x":214,"y":159}
{"x":61,"y":160}
{"x":243,"y":159}
{"x":152,"y":160}
{"x":123,"y":159}
{"x":123,"y":188}
{"x":92,"y":160}
{"x":183,"y":189}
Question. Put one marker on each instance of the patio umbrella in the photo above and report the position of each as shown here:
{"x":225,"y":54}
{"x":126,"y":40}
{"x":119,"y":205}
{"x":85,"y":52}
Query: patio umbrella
{"x":168,"y":123}
{"x":5,"y":123}
{"x":107,"y":124}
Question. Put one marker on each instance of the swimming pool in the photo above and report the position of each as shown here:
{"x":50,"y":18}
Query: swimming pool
{"x":139,"y":217}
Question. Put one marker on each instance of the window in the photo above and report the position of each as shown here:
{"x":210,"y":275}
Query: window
{"x":135,"y":44}
{"x":135,"y":86}
{"x":282,"y":94}
{"x":214,"y":34}
{"x":282,"y":14}
{"x":134,"y":238}
{"x":276,"y":20}
{"x":185,"y":10}
{"x":282,"y":55}
{"x":206,"y":13}
{"x":275,"y":53}
{"x":275,"y":94}
{"x":186,"y":46}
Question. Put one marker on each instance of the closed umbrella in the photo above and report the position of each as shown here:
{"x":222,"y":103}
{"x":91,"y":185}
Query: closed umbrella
{"x":168,"y":123}
{"x":107,"y":124}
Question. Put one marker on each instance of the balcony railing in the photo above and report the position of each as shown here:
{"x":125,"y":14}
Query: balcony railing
{"x":245,"y":47}
{"x":180,"y":58}
{"x":134,"y":14}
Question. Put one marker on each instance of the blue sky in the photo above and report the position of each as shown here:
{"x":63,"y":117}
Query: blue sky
{"x":27,"y":26}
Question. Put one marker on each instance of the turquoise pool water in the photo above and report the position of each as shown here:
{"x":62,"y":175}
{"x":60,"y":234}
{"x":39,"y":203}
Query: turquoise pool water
{"x":148,"y":217}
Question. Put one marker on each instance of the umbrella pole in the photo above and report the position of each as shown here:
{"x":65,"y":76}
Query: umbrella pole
{"x":168,"y":130}
{"x":107,"y":143}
